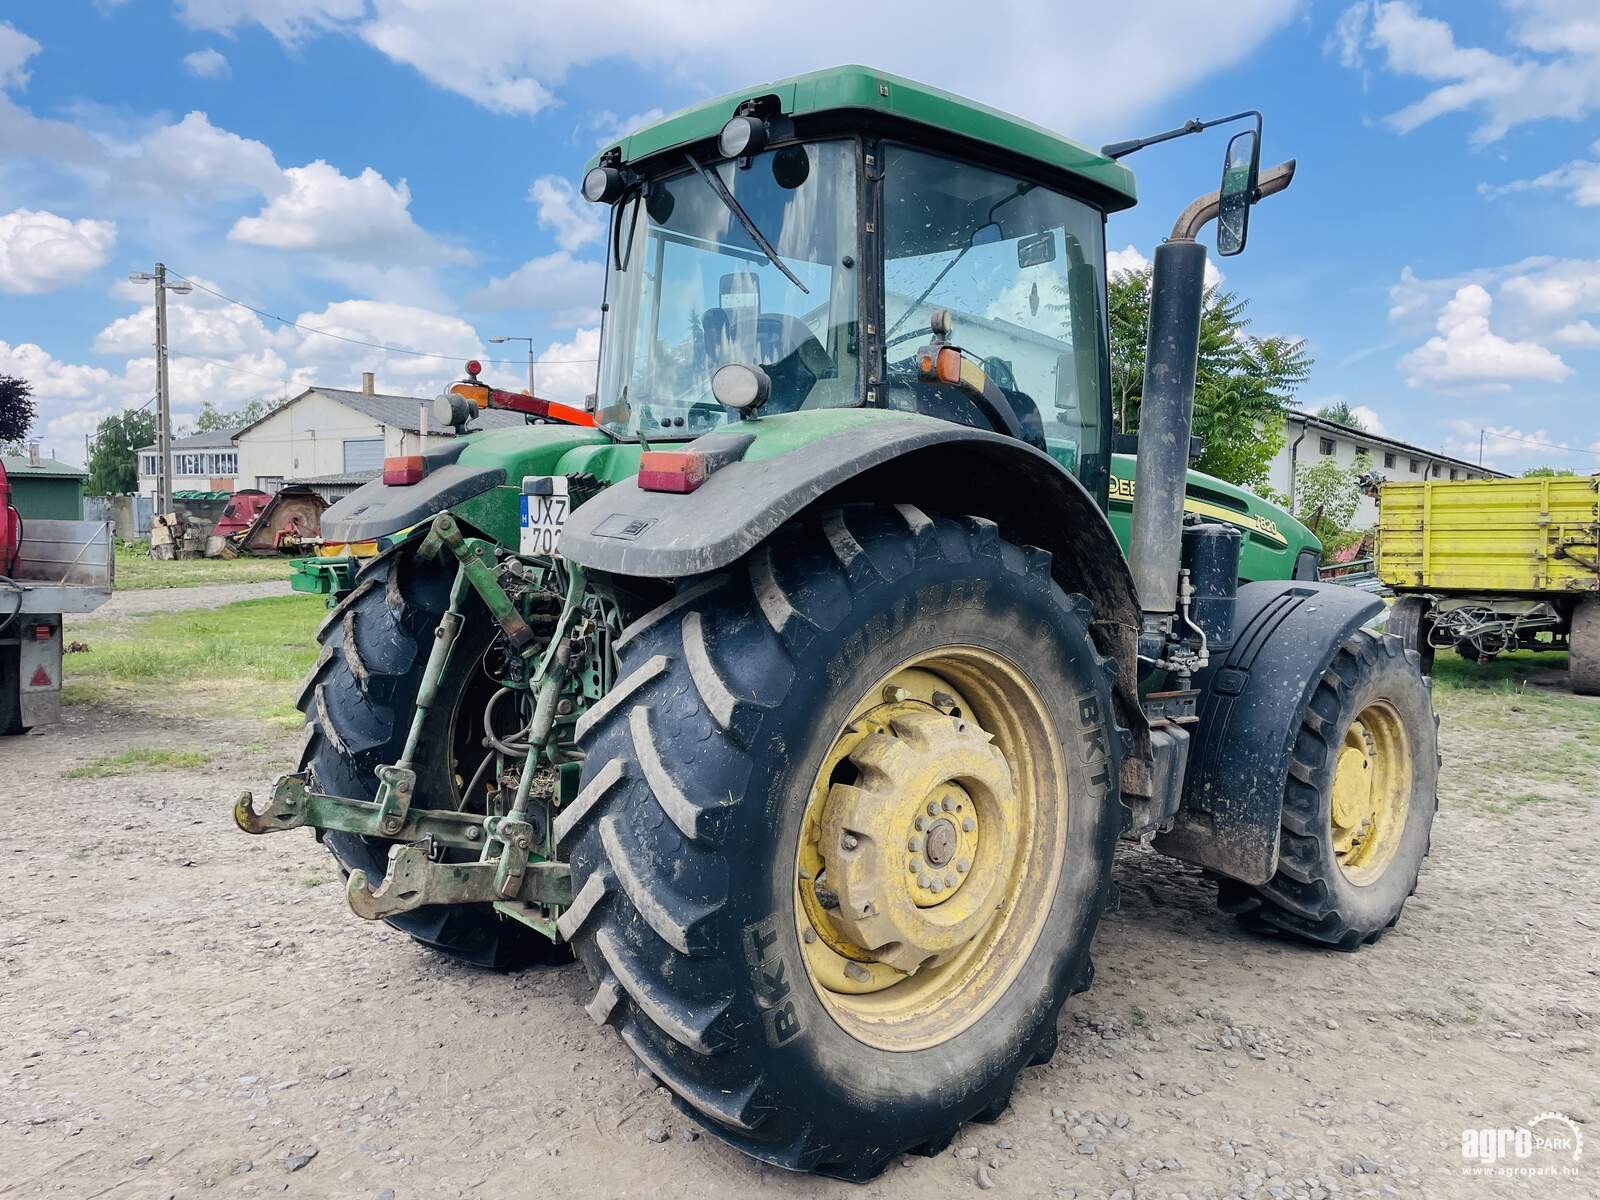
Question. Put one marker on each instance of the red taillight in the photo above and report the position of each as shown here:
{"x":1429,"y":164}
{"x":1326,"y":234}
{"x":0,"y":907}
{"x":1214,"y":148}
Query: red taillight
{"x":43,"y":633}
{"x":678,"y":471}
{"x":403,"y":469}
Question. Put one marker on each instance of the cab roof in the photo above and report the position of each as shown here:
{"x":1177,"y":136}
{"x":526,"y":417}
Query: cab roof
{"x":894,"y":99}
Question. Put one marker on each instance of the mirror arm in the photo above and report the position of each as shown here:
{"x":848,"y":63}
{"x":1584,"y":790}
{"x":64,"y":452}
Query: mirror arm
{"x":1194,"y":218}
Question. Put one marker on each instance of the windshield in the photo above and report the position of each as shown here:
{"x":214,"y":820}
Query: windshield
{"x":690,"y":291}
{"x":1019,"y":269}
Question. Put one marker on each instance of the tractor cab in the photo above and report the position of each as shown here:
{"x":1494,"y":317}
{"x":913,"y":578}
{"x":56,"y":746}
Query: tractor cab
{"x":845,"y":242}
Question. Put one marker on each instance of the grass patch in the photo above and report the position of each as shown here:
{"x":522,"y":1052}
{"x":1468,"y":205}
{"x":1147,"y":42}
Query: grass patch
{"x":1508,"y":673}
{"x":130,"y":761}
{"x":137,"y":571}
{"x":241,"y":659}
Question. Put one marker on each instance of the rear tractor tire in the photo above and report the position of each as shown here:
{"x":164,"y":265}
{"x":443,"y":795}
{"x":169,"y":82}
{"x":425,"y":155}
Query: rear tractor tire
{"x":1583,"y":648}
{"x":845,"y":833}
{"x":1358,"y":805}
{"x":1410,"y":621}
{"x":358,"y":701}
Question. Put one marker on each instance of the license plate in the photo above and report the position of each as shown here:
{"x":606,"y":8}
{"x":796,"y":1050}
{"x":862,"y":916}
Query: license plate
{"x":543,"y":516}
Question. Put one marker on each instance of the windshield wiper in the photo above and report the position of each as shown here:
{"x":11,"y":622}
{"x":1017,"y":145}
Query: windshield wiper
{"x":720,"y":190}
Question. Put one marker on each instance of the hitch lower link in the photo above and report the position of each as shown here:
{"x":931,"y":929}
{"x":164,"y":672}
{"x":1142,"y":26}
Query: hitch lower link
{"x":506,"y":873}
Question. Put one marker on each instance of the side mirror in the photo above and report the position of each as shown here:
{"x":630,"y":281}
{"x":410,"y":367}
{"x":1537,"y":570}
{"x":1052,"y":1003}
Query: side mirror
{"x":1239,"y":170}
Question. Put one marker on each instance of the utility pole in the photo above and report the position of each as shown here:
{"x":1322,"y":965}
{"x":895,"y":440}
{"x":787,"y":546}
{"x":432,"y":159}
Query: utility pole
{"x":1480,"y":446}
{"x":501,"y":340}
{"x":163,"y":393}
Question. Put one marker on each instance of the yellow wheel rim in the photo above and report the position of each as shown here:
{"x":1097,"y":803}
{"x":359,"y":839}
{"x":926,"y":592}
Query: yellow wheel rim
{"x":1371,"y":793}
{"x":930,"y":848}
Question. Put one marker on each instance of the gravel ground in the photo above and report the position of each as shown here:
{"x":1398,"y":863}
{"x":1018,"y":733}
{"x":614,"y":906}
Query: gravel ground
{"x":154,"y":600}
{"x":187,"y":1011}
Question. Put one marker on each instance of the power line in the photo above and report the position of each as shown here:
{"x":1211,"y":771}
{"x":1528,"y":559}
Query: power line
{"x":279,"y":379}
{"x":1511,"y":437}
{"x":261,"y":312}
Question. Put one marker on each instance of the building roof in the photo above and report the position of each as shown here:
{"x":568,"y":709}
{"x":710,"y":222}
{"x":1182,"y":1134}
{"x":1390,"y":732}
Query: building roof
{"x":398,"y":412}
{"x":858,"y":90}
{"x":1312,"y":421}
{"x":18,"y":467}
{"x":342,"y":479}
{"x":214,"y":439}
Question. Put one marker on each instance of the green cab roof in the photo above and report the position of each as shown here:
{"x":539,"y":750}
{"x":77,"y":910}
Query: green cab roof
{"x":863,"y":89}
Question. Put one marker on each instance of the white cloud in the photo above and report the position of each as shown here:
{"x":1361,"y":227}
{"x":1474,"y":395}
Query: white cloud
{"x":574,"y":221}
{"x":200,"y":158}
{"x":52,"y":380}
{"x":1553,"y":289}
{"x":16,"y":48}
{"x":1468,"y":353}
{"x":563,"y":289}
{"x":206,"y":64}
{"x":322,"y":211}
{"x":1578,"y":333}
{"x":607,"y":128}
{"x":393,"y":325}
{"x":566,"y":370}
{"x":1121,"y":60}
{"x":1504,"y":90}
{"x":1580,"y":179}
{"x":1509,"y":448}
{"x":1368,"y":417}
{"x":40,"y":252}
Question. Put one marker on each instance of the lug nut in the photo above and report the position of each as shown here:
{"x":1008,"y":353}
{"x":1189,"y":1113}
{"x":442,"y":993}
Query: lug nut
{"x":924,"y":881}
{"x":857,"y":972}
{"x":948,"y":804}
{"x":938,"y":886}
{"x":968,"y":825}
{"x":963,"y":865}
{"x":915,"y":866}
{"x":949,"y":881}
{"x":933,"y":809}
{"x":809,"y":936}
{"x":914,"y":845}
{"x":850,"y":841}
{"x":921,"y":823}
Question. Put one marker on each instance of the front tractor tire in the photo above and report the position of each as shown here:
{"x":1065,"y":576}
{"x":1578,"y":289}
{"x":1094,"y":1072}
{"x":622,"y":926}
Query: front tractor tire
{"x":1358,"y":805}
{"x":358,"y":702}
{"x":844,"y":835}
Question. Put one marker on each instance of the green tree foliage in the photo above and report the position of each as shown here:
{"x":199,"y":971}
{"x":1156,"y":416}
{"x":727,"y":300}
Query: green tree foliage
{"x":213,"y":419}
{"x":1544,"y":472}
{"x":1242,"y":388}
{"x":17,"y":412}
{"x":114,"y":461}
{"x":1326,"y":497}
{"x":1340,"y":413}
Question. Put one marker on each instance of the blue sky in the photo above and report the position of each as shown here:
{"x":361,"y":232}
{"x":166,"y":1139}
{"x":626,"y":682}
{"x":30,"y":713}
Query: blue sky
{"x":401,"y":172}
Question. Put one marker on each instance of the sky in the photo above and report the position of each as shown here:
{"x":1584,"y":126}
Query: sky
{"x":403,"y":172}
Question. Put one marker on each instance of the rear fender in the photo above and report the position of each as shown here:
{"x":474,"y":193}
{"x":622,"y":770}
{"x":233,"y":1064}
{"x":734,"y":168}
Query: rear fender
{"x":1250,"y":706}
{"x":936,"y":465}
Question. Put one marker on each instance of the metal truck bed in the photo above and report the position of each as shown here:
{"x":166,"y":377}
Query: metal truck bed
{"x":64,"y":566}
{"x":1491,"y":535}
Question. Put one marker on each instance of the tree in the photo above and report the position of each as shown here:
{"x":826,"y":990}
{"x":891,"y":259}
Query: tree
{"x":17,"y":412}
{"x":1326,"y":497}
{"x":114,"y":461}
{"x":1340,"y":413}
{"x":213,"y":419}
{"x":1243,"y":383}
{"x":1543,"y":472}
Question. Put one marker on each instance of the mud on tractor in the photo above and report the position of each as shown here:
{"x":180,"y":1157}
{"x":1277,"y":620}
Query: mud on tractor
{"x":806,"y":695}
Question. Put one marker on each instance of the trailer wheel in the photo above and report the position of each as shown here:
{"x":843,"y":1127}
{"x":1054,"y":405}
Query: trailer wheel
{"x":845,"y":834}
{"x":1358,"y":806}
{"x":1583,"y":648}
{"x":358,"y":701}
{"x":1410,"y":621}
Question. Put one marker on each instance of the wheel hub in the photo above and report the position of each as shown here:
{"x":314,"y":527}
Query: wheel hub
{"x":915,"y":848}
{"x":1371,"y":776}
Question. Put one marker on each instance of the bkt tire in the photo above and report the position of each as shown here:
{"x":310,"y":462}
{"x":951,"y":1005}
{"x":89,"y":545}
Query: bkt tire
{"x":1359,"y":804}
{"x":358,"y":701}
{"x":845,"y":833}
{"x":1409,"y":620}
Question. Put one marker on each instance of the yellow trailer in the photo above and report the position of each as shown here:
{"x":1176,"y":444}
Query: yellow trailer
{"x":1490,"y":565}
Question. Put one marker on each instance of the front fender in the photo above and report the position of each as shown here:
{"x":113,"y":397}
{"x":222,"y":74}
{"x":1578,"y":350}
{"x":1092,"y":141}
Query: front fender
{"x":799,"y":460}
{"x":1251,"y":703}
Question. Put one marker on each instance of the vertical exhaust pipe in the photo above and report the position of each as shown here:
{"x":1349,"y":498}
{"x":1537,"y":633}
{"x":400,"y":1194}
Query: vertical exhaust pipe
{"x":1166,"y":420}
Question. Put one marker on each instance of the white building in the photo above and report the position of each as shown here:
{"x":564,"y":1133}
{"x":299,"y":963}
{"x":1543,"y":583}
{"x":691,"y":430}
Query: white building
{"x":1309,"y":439}
{"x":336,"y":439}
{"x":201,"y":462}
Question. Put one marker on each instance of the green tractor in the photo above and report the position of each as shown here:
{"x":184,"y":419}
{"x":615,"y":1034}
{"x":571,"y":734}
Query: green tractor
{"x":806,"y":695}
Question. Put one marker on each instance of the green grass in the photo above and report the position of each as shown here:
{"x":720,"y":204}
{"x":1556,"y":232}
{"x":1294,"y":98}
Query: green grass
{"x":130,"y":761}
{"x":137,"y":571}
{"x":241,"y":659}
